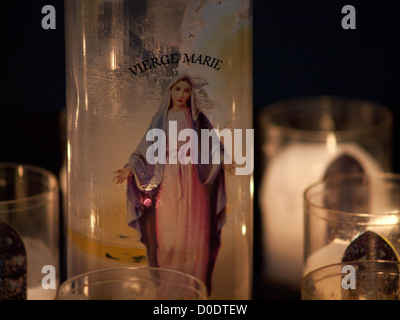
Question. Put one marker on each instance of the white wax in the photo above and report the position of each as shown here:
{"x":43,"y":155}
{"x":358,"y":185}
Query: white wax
{"x":287,"y":176}
{"x":327,"y":255}
{"x":330,"y":254}
{"x":38,"y":256}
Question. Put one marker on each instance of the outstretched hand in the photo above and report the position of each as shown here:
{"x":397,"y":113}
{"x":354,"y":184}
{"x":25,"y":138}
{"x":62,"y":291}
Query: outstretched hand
{"x":121,"y":175}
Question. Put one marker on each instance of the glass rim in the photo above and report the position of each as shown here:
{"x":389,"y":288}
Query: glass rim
{"x":319,"y":104}
{"x":29,"y":201}
{"x":365,"y":176}
{"x":201,"y":287}
{"x":332,"y":267}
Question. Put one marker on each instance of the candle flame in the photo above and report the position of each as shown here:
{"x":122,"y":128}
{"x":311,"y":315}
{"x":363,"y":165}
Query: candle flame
{"x":331,"y":143}
{"x":20,"y":171}
{"x":244,"y":229}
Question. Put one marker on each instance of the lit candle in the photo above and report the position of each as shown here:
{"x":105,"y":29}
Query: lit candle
{"x":352,"y":217}
{"x":288,"y":174}
{"x":304,"y":140}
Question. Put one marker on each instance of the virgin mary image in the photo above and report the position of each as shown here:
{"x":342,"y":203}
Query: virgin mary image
{"x":178,"y":208}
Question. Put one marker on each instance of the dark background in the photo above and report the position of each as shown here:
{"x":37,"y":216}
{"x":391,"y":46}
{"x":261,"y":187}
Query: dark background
{"x":300,"y":49}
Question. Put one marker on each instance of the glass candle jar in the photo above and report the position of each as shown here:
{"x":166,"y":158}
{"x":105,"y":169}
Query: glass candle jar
{"x":304,"y":140}
{"x":159,"y":103}
{"x":352,"y":217}
{"x":356,"y":280}
{"x":29,"y":233}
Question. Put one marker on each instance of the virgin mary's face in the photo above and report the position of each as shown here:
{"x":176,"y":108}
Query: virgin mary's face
{"x":180,"y":93}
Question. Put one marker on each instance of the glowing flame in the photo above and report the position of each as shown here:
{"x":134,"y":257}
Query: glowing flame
{"x":244,"y":229}
{"x":331,"y":143}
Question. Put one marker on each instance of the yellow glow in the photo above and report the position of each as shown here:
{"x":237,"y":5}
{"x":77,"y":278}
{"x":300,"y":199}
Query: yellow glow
{"x":86,"y":290}
{"x":331,"y":143}
{"x":20,"y":171}
{"x":113,"y":60}
{"x":68,"y":157}
{"x":244,"y":229}
{"x":391,"y":220}
{"x":84,"y":44}
{"x":77,"y":111}
{"x":86,"y":102}
{"x":93,"y":220}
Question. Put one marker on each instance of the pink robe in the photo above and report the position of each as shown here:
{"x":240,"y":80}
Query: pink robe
{"x":183,"y":213}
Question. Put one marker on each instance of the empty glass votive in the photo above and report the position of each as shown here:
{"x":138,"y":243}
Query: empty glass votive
{"x":133,"y":283}
{"x":29,"y":233}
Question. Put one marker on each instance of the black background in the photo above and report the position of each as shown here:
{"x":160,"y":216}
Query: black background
{"x":300,"y":49}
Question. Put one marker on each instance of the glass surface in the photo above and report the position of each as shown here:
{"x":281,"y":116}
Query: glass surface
{"x":133,"y":284}
{"x":302,"y":141}
{"x":122,"y":59}
{"x":352,"y":217}
{"x":29,"y":237}
{"x":353,"y":280}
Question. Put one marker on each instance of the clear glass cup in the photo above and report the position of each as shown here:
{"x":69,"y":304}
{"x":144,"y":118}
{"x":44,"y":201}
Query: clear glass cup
{"x":133,"y":283}
{"x":352,"y":217}
{"x":353,"y":280}
{"x":302,"y":141}
{"x":123,"y":60}
{"x":29,"y":233}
